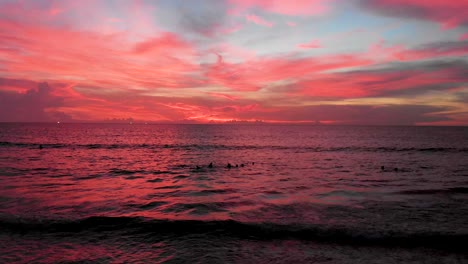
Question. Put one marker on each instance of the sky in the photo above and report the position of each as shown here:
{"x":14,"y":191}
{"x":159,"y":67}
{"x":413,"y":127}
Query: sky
{"x":366,"y":62}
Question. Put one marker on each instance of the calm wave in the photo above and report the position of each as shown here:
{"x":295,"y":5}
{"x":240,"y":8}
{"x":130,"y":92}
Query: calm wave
{"x":227,"y":147}
{"x":147,"y":193}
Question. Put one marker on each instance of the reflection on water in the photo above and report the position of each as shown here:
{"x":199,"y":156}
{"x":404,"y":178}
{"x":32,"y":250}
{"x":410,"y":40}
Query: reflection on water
{"x":326,"y":182}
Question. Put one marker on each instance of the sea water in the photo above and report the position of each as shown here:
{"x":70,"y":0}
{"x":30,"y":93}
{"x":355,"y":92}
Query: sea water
{"x":110,"y":193}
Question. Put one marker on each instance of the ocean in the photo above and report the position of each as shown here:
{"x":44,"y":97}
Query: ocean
{"x":136,"y":193}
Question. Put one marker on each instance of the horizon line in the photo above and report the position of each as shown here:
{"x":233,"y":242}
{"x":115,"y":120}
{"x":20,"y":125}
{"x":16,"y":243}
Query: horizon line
{"x":227,"y":123}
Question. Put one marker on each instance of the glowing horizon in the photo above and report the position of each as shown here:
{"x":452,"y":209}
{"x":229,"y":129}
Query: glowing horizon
{"x":390,"y":62}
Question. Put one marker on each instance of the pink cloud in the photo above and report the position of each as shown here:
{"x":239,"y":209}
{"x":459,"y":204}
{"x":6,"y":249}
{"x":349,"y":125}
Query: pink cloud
{"x":114,"y":20}
{"x":254,"y":74}
{"x":433,"y":51}
{"x":258,"y":20}
{"x":236,"y":108}
{"x":224,"y":96}
{"x":464,"y":36}
{"x":82,"y":15}
{"x":97,"y":68}
{"x":107,"y":57}
{"x":166,"y":42}
{"x":314,"y":44}
{"x":449,"y":14}
{"x":297,"y":7}
{"x":384,"y":52}
{"x":367,"y":84}
{"x":94,"y":72}
{"x":390,"y":53}
{"x":291,"y":24}
{"x":55,"y":11}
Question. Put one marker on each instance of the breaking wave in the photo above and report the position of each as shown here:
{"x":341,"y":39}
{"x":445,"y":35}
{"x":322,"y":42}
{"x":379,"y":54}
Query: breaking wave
{"x":231,"y":228}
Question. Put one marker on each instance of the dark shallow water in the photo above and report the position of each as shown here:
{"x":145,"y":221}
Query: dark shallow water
{"x":315,"y":194}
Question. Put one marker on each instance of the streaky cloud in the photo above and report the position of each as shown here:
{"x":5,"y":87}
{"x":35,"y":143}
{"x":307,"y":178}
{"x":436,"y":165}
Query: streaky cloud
{"x":449,"y":14}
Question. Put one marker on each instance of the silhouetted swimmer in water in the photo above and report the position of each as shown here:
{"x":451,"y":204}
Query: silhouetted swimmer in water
{"x":229,"y":166}
{"x":253,"y":163}
{"x":198,"y":167}
{"x":40,"y":146}
{"x":382,"y":168}
{"x":395,"y":169}
{"x":242,"y":164}
{"x":237,"y":166}
{"x":211,"y":165}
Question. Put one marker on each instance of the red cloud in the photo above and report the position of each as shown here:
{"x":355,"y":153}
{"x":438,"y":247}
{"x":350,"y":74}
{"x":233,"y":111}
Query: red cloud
{"x":359,"y":85}
{"x":40,"y":52}
{"x":393,"y":81}
{"x":127,"y":74}
{"x":225,"y":96}
{"x":449,"y":13}
{"x":99,"y":69}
